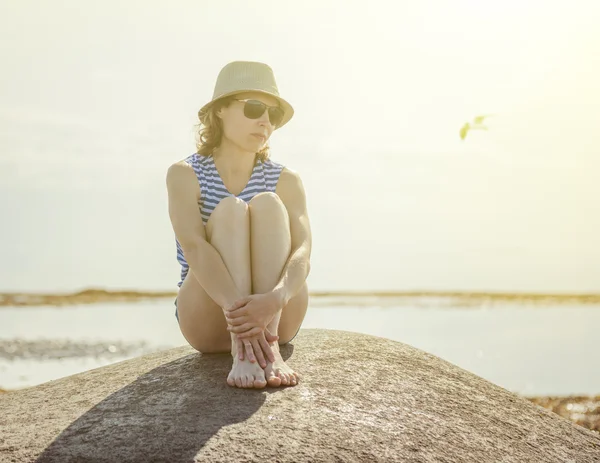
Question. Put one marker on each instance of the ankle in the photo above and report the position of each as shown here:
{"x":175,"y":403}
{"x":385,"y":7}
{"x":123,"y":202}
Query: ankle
{"x":234,"y":350}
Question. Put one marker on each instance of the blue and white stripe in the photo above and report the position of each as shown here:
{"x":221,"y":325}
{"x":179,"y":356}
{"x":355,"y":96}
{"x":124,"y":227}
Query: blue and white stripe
{"x":212,"y":190}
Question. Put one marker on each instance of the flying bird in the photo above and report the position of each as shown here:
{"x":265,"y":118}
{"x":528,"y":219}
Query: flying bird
{"x":477,"y":125}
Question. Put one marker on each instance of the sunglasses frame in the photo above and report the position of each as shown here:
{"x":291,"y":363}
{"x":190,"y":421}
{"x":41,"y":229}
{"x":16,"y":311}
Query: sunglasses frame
{"x":266,"y":108}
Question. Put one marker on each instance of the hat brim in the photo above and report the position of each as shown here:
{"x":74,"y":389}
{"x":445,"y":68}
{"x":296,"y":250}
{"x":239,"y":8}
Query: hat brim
{"x":288,"y":110}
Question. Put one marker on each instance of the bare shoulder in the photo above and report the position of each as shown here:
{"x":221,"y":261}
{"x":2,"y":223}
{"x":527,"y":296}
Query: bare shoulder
{"x":289,"y":180}
{"x":179,"y":169}
{"x":181,"y":179}
{"x":291,"y":189}
{"x":183,"y":192}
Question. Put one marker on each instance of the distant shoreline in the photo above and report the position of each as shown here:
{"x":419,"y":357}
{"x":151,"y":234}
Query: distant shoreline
{"x":464,"y":298}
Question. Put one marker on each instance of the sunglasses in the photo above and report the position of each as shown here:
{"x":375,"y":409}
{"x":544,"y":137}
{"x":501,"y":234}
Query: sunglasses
{"x":253,"y":109}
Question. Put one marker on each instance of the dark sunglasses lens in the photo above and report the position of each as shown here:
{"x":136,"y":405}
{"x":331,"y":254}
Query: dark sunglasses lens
{"x":253,"y":109}
{"x":275,"y":115}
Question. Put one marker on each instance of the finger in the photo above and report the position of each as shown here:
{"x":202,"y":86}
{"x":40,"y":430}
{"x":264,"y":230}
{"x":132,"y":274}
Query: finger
{"x":250,"y":351}
{"x":237,"y":312}
{"x":270,"y":337}
{"x":250,"y":334}
{"x":240,"y":349}
{"x":269,"y":353}
{"x":236,"y":321}
{"x":259,"y":353}
{"x":240,"y":328}
{"x":237,"y":304}
{"x":264,"y":344}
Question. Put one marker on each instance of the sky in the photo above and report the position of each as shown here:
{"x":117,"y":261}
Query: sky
{"x":97,"y":100}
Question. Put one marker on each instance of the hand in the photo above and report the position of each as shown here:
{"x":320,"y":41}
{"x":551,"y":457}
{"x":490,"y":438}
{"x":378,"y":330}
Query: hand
{"x":250,"y":315}
{"x":257,"y":346}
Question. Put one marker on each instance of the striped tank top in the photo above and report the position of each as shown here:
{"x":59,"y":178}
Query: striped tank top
{"x":212,"y":190}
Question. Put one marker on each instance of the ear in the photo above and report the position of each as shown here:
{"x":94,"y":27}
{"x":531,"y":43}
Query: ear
{"x":219,"y":110}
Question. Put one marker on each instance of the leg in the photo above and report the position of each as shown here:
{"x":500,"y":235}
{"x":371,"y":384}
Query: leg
{"x":270,"y":247}
{"x":201,"y":320}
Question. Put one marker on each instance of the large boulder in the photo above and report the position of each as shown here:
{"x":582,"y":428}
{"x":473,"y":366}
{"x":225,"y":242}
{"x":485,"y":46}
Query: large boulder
{"x":361,"y":398}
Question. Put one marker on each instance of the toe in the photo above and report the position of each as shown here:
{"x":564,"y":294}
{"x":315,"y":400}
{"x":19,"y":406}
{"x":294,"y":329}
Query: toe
{"x":238,"y":381}
{"x":249,"y":381}
{"x":259,"y":383}
{"x":230,"y":381}
{"x":273,"y":380}
{"x":284,"y":379}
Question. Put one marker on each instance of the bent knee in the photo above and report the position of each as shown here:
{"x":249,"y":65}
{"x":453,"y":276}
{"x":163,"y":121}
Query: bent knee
{"x":231,"y":212}
{"x":230,"y":204}
{"x":265,"y":199}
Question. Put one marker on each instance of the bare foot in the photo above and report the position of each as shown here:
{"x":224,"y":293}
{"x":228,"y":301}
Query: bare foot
{"x":279,"y":373}
{"x":246,"y":374}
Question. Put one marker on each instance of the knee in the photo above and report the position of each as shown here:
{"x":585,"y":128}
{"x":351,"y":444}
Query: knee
{"x":231,"y":204}
{"x":230,"y":209}
{"x":265,"y":200}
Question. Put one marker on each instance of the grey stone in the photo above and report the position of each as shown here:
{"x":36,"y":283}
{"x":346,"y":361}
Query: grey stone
{"x":360,"y":398}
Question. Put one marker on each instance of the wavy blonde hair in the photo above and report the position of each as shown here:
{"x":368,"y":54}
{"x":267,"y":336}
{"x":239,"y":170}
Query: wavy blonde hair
{"x":210,"y":131}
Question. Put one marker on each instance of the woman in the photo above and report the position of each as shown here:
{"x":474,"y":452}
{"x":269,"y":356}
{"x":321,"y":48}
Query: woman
{"x":242,"y":228}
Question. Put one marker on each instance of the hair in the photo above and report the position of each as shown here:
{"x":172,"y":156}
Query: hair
{"x":210,"y":130}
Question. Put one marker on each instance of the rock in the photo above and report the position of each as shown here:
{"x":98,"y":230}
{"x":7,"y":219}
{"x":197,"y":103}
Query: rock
{"x":361,"y":398}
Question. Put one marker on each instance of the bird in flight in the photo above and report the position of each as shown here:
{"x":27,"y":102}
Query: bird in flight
{"x":477,"y":125}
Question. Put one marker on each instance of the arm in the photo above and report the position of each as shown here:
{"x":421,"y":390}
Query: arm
{"x":203,"y":259}
{"x":291,"y":191}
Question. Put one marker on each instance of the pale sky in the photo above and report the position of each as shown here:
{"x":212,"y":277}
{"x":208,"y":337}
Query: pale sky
{"x":102,"y":97}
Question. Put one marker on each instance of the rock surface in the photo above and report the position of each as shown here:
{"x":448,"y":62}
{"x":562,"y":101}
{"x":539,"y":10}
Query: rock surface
{"x":361,"y":398}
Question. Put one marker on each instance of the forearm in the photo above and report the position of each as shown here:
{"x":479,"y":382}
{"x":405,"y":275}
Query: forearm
{"x":208,"y":268}
{"x":293,"y":275}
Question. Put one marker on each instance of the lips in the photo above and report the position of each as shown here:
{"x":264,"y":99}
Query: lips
{"x":260,"y":135}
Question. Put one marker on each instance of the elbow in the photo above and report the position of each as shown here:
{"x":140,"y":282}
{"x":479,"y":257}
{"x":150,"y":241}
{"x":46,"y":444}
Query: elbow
{"x":190,"y":249}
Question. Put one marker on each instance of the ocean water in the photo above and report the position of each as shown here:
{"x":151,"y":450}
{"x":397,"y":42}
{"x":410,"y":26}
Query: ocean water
{"x":530,"y":350}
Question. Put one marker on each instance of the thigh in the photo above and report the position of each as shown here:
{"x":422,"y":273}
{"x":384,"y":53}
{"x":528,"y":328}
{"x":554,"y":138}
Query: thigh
{"x":201,"y":319}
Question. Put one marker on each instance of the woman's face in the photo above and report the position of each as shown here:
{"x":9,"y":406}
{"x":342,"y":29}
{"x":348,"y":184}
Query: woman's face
{"x":240,"y":129}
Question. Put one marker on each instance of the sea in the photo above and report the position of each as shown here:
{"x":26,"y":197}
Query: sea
{"x":530,"y":349}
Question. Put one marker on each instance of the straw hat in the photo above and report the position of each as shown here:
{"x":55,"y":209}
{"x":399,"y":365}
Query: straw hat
{"x":248,"y":76}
